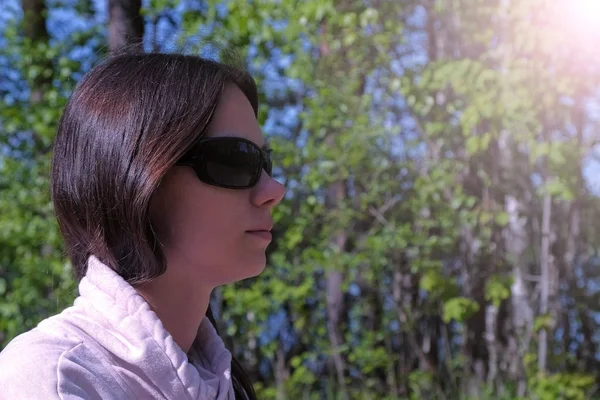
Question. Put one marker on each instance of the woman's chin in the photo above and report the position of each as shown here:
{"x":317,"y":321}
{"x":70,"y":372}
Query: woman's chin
{"x":257,"y":266}
{"x":251,"y":267}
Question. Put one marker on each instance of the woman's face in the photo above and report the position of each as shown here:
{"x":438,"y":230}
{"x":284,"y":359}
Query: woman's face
{"x":206,"y":232}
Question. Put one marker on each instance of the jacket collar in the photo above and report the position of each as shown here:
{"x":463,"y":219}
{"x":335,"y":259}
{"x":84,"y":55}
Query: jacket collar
{"x":134,"y":333}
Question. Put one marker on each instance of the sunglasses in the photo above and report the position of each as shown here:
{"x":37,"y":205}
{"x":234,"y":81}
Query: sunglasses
{"x":228,"y":162}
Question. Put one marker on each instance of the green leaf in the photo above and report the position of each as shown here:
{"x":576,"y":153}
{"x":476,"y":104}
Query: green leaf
{"x":473,"y":144}
{"x":502,"y":218}
{"x":459,"y":309}
{"x":542,"y":322}
{"x":497,"y":289}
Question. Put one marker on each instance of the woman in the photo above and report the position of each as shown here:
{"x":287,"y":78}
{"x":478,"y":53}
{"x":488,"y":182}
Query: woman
{"x":162,"y":186}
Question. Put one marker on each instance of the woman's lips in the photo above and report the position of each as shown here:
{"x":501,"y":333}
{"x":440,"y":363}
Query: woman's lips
{"x":265,"y":235}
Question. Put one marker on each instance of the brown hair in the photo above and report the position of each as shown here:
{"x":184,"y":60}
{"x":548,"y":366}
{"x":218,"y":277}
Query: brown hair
{"x":125,"y":125}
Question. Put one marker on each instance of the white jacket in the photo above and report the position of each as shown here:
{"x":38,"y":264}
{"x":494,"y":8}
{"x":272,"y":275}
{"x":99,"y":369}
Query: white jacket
{"x":111,"y":345}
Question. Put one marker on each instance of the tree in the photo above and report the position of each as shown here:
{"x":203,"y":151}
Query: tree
{"x":438,"y":233}
{"x":125,"y":25}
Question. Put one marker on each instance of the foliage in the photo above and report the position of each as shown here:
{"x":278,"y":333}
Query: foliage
{"x":417,"y":141}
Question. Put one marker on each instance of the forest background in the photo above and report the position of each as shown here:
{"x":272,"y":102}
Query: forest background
{"x":439,"y":238}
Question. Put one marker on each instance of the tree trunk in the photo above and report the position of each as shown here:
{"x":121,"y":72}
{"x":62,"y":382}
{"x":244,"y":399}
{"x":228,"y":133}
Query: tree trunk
{"x":520,"y":332}
{"x":125,"y":25}
{"x":34,"y":12}
{"x":335,"y":296}
{"x":335,"y":195}
{"x":282,"y":372}
{"x":34,"y":25}
{"x":589,"y":348}
{"x":544,"y":280}
{"x":491,"y":318}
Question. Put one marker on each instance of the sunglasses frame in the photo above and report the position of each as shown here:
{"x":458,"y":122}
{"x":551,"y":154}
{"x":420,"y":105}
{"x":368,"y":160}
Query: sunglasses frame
{"x":190,"y":159}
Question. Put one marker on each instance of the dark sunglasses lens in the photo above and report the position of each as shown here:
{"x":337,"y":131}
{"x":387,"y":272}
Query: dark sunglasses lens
{"x":232,"y":162}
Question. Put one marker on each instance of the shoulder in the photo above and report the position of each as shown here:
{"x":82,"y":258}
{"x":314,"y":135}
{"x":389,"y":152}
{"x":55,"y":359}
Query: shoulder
{"x":45,"y":364}
{"x":30,"y":362}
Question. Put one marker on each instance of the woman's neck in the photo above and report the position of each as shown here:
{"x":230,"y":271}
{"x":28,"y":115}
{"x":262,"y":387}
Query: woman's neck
{"x":180,"y":305}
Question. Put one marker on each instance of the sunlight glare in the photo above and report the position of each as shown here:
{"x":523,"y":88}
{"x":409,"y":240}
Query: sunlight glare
{"x":578,"y":23}
{"x":585,"y":14}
